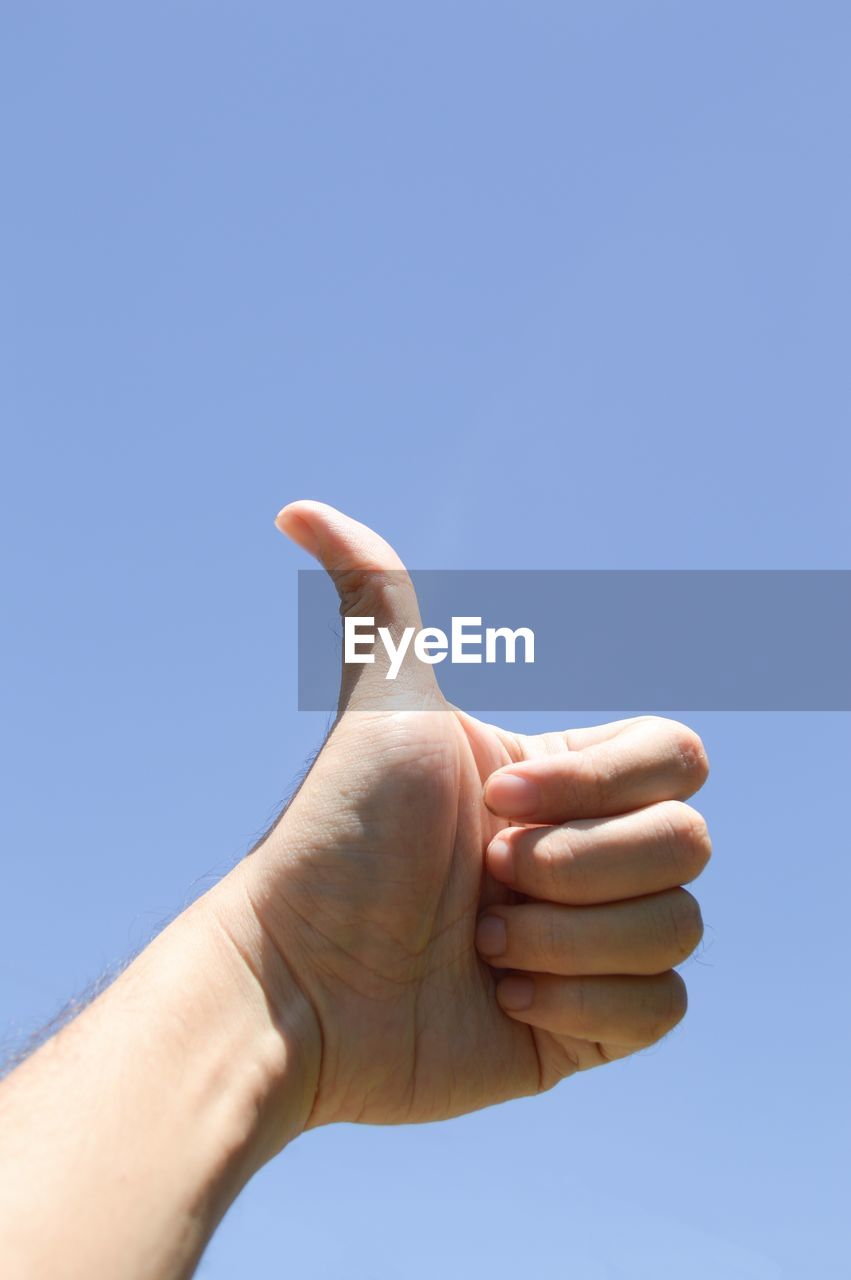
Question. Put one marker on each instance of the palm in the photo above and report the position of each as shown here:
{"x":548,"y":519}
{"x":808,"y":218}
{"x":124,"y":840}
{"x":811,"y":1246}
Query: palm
{"x":387,"y":917}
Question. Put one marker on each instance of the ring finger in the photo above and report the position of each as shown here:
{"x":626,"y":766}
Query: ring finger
{"x":640,"y":936}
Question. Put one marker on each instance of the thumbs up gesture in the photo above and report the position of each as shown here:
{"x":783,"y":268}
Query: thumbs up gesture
{"x":472,"y":914}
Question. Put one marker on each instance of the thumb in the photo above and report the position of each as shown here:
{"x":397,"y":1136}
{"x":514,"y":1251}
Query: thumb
{"x":372,"y":582}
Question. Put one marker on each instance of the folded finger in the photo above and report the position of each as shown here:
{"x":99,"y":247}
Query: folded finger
{"x":631,"y":1012}
{"x":596,"y":860}
{"x":649,"y":760}
{"x":640,"y":936}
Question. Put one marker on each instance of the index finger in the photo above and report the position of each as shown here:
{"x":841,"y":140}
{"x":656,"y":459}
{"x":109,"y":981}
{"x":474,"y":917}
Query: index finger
{"x":649,"y":760}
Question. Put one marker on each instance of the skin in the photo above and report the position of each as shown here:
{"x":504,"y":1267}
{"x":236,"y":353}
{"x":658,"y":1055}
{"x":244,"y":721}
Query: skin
{"x":419,"y":936}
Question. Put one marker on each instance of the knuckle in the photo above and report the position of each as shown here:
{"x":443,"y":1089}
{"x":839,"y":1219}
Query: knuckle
{"x":685,"y":923}
{"x":677,"y":1001}
{"x":581,"y":1010}
{"x":670,"y":1005}
{"x":692,"y":755}
{"x":376,"y":592}
{"x":551,"y":864}
{"x":597,"y":779}
{"x":687,"y":836}
{"x":358,"y":590}
{"x":553,"y":943}
{"x":556,"y":862}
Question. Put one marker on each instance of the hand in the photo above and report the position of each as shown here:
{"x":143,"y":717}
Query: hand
{"x":392,"y":861}
{"x":334,"y":974}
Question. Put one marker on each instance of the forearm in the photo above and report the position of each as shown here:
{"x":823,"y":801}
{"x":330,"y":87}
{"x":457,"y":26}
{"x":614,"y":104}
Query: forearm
{"x":124,"y":1139}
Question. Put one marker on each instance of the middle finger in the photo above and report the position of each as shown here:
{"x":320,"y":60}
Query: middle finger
{"x":596,"y":860}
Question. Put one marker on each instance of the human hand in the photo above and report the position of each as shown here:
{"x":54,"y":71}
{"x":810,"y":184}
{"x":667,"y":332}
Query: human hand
{"x":396,"y":857}
{"x":420,"y":935}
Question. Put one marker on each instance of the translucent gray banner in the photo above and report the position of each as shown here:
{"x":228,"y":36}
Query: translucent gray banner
{"x":631,"y":640}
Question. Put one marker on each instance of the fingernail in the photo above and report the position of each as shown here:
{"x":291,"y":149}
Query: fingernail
{"x":515,"y":994}
{"x":500,"y":859}
{"x":490,"y":936}
{"x":512,"y":796}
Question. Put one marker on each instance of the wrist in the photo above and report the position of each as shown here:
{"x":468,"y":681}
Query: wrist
{"x":279,"y":1053}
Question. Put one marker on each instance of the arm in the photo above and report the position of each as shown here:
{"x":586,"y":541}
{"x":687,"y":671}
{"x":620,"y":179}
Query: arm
{"x":124,"y":1139}
{"x":448,"y":915}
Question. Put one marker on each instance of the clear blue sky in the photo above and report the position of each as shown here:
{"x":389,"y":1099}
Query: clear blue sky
{"x":522,"y":285}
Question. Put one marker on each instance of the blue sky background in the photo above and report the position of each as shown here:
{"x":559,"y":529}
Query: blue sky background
{"x":522,"y":285}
